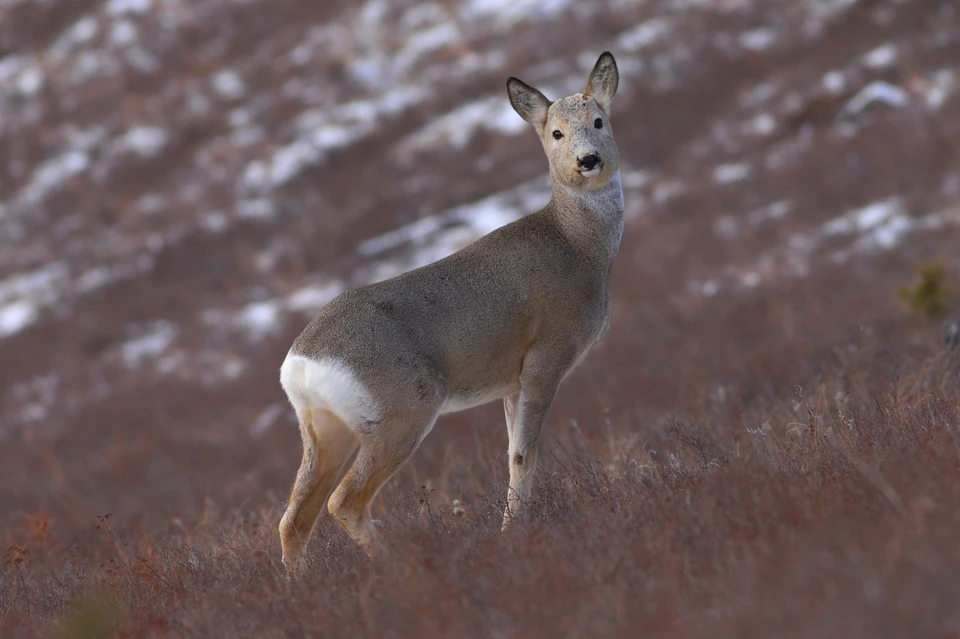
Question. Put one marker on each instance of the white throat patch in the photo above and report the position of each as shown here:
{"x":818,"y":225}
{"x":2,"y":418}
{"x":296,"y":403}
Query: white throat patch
{"x":606,"y":201}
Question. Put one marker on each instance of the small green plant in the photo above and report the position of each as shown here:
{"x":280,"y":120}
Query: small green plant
{"x":89,"y":617}
{"x":930,"y":293}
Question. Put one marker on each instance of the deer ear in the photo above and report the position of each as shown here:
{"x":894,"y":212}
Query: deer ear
{"x":603,"y":81}
{"x":528,"y":102}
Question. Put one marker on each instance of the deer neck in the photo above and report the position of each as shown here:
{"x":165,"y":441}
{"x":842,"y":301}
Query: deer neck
{"x":591,"y":220}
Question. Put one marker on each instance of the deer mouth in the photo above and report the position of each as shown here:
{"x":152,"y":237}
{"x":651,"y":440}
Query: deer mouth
{"x":591,"y":172}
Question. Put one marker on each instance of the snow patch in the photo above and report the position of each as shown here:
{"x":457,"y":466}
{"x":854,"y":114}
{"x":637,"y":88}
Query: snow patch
{"x":645,"y":34}
{"x":667,"y":189}
{"x":285,"y":164}
{"x":749,"y":279}
{"x":30,"y":81}
{"x":937,"y":90}
{"x":411,"y":233}
{"x":509,"y":12}
{"x":729,"y":173}
{"x":266,"y":419}
{"x":834,"y":81}
{"x":763,"y":124}
{"x":458,"y":127}
{"x":727,"y":227}
{"x":881,"y":57}
{"x":887,"y":223}
{"x":757,"y":39}
{"x":322,"y":131}
{"x":121,"y":7}
{"x":123,"y":33}
{"x":423,"y":42}
{"x":155,"y":340}
{"x":775,"y":211}
{"x":209,"y":368}
{"x":100,"y":276}
{"x":229,"y":85}
{"x":145,"y":141}
{"x":41,"y":285}
{"x":141,"y":60}
{"x":259,"y":319}
{"x":864,"y":219}
{"x":214,"y":222}
{"x":90,"y":64}
{"x":30,"y":401}
{"x":258,"y":208}
{"x":82,"y":31}
{"x":432,"y":238}
{"x":637,"y":179}
{"x":16,"y":316}
{"x":382,"y":67}
{"x":313,"y":298}
{"x":709,"y":288}
{"x":51,"y":175}
{"x":759,"y":94}
{"x":150,"y":203}
{"x":881,"y":225}
{"x":877,"y":92}
{"x":93,"y":279}
{"x":11,"y":66}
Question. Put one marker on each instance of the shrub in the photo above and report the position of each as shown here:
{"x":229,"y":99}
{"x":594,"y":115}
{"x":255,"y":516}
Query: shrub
{"x":930,"y":293}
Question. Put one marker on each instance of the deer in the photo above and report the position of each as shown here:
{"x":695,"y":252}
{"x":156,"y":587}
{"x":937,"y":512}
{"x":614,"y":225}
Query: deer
{"x":507,"y":317}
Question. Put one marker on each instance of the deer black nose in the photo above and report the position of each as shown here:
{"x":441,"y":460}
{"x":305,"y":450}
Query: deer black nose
{"x":588,"y":162}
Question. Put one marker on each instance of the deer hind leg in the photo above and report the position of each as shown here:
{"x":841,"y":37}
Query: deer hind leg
{"x":382,"y":453}
{"x":327,"y":445}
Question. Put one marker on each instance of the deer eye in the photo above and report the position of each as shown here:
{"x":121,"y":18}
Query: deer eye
{"x":598,"y":123}
{"x":557,"y":134}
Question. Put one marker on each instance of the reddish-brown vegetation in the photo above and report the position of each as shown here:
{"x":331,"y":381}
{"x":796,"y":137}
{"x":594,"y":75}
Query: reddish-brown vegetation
{"x":830,"y":512}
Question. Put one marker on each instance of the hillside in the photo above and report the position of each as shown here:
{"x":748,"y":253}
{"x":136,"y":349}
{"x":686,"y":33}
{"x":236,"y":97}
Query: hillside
{"x":765,"y":444}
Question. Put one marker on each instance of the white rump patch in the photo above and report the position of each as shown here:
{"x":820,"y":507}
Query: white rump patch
{"x":328,"y":384}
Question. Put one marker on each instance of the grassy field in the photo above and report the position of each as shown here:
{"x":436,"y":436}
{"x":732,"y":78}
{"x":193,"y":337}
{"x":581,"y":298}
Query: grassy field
{"x":829,"y":511}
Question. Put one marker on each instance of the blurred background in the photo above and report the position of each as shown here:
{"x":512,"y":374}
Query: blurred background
{"x":184,"y":184}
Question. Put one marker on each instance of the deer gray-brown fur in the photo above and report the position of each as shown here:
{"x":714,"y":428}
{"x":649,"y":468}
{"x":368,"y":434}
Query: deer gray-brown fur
{"x":507,"y":317}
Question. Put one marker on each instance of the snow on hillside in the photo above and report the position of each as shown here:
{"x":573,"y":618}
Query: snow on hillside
{"x":209,"y":148}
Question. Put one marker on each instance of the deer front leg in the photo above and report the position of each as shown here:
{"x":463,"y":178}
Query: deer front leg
{"x":510,"y":413}
{"x":529,"y":411}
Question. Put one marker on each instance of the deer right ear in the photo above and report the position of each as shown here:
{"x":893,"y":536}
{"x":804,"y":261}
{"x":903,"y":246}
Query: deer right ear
{"x":528,"y":102}
{"x":603,"y":81}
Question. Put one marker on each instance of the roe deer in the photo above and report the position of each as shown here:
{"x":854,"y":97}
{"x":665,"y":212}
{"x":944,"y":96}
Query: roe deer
{"x":508,"y":316}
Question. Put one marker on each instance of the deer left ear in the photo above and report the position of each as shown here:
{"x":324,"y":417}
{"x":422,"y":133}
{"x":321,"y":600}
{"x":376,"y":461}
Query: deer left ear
{"x":528,"y":102}
{"x":603,"y":81}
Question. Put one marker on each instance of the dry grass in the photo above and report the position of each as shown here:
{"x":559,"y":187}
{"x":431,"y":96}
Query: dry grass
{"x":835,"y":516}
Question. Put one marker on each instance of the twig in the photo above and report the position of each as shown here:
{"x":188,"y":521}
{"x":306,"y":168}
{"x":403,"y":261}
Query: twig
{"x":873,"y":476}
{"x":104,"y":519}
{"x":13,"y":556}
